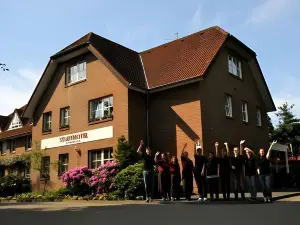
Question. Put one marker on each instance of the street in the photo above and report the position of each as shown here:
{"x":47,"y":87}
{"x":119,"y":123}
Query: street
{"x":279,"y":212}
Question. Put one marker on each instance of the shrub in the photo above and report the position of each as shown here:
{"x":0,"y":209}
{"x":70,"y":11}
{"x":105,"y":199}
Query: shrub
{"x":103,"y":177}
{"x":129,"y":182}
{"x":12,"y":184}
{"x":125,"y":154}
{"x":77,"y":180}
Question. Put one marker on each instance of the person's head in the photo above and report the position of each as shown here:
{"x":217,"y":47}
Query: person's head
{"x":174,"y":159}
{"x":163,"y":156}
{"x":248,"y":153}
{"x":199,"y":151}
{"x":261,"y":152}
{"x":148,"y":150}
{"x":236,"y":151}
{"x":211,"y":155}
{"x":223,"y":152}
{"x":185,"y":155}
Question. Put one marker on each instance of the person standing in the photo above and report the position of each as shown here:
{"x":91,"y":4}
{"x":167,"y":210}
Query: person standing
{"x":163,"y":175}
{"x":200,"y":174}
{"x":224,"y":162}
{"x":237,"y":168}
{"x":187,"y":173}
{"x":251,"y":172}
{"x":148,"y":172}
{"x":212,"y":174}
{"x":175,"y":178}
{"x":264,"y":172}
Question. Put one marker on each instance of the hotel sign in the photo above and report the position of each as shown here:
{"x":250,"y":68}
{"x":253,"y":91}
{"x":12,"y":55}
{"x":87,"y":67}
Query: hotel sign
{"x":77,"y":138}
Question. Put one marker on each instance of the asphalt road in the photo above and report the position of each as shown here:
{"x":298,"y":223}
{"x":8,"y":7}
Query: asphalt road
{"x":155,"y":214}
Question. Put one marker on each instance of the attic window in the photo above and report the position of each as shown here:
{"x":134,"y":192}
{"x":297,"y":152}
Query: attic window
{"x":76,"y":73}
{"x":15,"y":123}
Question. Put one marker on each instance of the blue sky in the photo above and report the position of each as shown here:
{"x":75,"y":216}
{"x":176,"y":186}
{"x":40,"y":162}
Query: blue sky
{"x":32,"y":30}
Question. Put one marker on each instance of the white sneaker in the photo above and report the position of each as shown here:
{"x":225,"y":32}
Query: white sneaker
{"x":199,"y":199}
{"x":205,"y":199}
{"x":265,"y":200}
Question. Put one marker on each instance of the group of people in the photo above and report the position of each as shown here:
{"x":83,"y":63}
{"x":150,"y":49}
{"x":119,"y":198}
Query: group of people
{"x":208,"y":171}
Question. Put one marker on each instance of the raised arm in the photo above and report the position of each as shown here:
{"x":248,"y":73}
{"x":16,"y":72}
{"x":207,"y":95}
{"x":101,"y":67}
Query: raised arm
{"x":217,"y":148}
{"x":227,"y":149}
{"x":270,"y":149}
{"x":241,"y":147}
{"x":156,"y":157}
{"x":184,"y":146}
{"x":140,"y":147}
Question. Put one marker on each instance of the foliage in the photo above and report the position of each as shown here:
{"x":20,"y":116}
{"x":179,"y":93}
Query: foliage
{"x":125,"y":154}
{"x":103,"y":177}
{"x":271,"y":129}
{"x":288,"y":128}
{"x":22,"y":159}
{"x":12,"y":184}
{"x":129,"y":182}
{"x":77,"y":180}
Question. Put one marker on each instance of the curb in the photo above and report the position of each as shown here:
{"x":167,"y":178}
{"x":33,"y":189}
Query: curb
{"x":285,"y":196}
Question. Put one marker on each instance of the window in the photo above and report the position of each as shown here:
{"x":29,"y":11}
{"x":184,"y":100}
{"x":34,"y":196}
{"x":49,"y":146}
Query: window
{"x":45,"y":167}
{"x":100,"y":109}
{"x":258,"y":117}
{"x":27,"y":172}
{"x":99,"y":157}
{"x":28,"y":143}
{"x":15,"y":122}
{"x":235,"y":66}
{"x":76,"y":73}
{"x":228,"y":105}
{"x":13,"y":145}
{"x":63,"y":163}
{"x":245,"y":111}
{"x":47,"y":122}
{"x":65,"y":117}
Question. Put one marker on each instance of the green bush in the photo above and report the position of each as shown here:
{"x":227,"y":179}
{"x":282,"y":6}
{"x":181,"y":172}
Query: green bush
{"x":125,"y":153}
{"x":11,"y":185}
{"x":129,"y":182}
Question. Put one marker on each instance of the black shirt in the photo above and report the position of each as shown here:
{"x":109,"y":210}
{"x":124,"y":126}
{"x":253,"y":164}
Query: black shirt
{"x":212,"y":167}
{"x":148,"y":161}
{"x":264,"y":166}
{"x":225,"y":167}
{"x":238,"y":163}
{"x":250,"y":166}
{"x":200,"y":160}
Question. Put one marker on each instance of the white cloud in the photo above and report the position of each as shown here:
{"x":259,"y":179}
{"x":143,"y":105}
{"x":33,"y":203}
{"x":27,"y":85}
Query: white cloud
{"x":16,"y":89}
{"x":269,"y":10}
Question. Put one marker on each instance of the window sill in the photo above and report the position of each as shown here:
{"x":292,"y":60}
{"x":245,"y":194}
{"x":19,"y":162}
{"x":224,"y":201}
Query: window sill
{"x":64,"y":128}
{"x":236,"y":77}
{"x":46,"y":132}
{"x":260,"y":127}
{"x":74,"y":83}
{"x":229,"y":117}
{"x":100,"y":121}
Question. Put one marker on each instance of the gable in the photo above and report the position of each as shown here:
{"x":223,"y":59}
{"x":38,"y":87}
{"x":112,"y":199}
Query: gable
{"x":15,"y":122}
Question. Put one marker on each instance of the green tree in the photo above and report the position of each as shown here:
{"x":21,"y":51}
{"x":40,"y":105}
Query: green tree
{"x":125,"y":154}
{"x":287,"y":131}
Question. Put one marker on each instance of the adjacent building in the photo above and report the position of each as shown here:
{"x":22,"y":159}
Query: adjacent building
{"x":205,"y":86}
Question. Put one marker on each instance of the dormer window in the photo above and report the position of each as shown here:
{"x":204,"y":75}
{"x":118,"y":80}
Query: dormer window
{"x":15,"y":123}
{"x":76,"y":73}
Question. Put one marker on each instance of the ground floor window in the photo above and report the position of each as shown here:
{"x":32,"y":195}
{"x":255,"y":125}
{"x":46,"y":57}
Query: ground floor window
{"x":45,"y":167}
{"x":99,"y":157}
{"x":63,"y":163}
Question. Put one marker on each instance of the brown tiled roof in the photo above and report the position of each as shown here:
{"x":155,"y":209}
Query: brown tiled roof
{"x":182,"y":59}
{"x":16,"y":132}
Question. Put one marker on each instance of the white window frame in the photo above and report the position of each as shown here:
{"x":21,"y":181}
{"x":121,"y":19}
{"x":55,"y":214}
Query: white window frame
{"x":235,"y":66}
{"x":258,"y":117}
{"x":15,"y":125}
{"x":97,"y":106}
{"x":65,"y":116}
{"x":245,"y":116}
{"x":63,"y":164}
{"x":48,"y":122}
{"x":75,"y":77}
{"x":228,"y":105}
{"x":102,"y":160}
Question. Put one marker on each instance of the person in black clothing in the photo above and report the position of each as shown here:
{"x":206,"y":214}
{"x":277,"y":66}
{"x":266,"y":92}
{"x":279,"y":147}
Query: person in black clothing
{"x":264,"y":172}
{"x":187,"y":173}
{"x":212,"y":174}
{"x":224,"y":162}
{"x":175,"y":178}
{"x":237,"y":164}
{"x":164,"y":176}
{"x":148,"y":173}
{"x":200,"y":175}
{"x":251,"y":172}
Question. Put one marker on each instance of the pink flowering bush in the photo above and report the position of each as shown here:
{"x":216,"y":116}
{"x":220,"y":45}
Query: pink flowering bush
{"x":102,"y":180}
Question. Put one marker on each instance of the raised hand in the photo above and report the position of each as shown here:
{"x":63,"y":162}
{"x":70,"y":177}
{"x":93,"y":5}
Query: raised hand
{"x":242,"y":142}
{"x":226,"y":144}
{"x":184,"y":146}
{"x":141,"y":143}
{"x":217,"y":144}
{"x":157,"y":153}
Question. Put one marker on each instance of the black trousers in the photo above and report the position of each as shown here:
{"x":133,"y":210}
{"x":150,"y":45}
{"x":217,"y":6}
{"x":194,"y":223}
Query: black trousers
{"x":225,"y":185}
{"x":164,"y":181}
{"x":175,"y":186}
{"x":213,"y":184}
{"x":201,"y":185}
{"x":188,"y":186}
